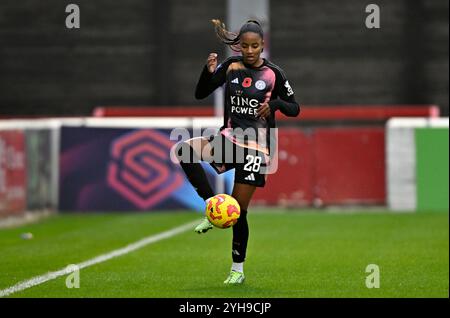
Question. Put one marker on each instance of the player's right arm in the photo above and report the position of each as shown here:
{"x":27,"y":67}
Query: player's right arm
{"x":212,"y":76}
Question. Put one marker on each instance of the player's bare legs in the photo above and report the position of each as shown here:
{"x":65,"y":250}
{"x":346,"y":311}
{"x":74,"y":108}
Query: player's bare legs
{"x":243,"y":194}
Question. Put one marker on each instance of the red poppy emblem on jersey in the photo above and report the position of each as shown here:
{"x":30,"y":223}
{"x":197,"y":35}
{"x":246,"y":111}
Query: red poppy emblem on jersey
{"x":247,"y":82}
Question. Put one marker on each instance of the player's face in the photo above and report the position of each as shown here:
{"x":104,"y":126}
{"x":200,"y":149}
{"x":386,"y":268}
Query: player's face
{"x":251,"y":47}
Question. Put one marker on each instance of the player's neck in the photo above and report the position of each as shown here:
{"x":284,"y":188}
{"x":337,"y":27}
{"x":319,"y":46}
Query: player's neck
{"x":257,"y":64}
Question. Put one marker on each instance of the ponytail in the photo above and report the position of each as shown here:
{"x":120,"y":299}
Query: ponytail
{"x":233,"y":39}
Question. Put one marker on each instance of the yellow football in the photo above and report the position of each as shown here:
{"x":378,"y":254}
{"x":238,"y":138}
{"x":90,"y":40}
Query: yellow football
{"x":223,"y":211}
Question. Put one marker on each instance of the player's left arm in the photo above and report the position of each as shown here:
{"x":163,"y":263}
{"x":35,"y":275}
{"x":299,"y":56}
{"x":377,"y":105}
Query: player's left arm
{"x":286,"y":102}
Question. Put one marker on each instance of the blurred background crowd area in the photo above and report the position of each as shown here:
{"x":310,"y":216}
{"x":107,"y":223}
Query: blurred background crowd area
{"x":150,"y":53}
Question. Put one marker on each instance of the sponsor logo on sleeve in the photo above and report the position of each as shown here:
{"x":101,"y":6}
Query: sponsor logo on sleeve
{"x":289,"y":88}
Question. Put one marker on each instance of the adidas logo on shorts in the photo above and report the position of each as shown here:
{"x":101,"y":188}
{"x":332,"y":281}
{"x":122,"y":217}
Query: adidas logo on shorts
{"x":250,"y":177}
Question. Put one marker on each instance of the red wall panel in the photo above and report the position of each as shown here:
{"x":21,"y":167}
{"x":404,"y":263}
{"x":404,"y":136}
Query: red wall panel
{"x":322,"y":113}
{"x":12,"y":173}
{"x":292,"y":184}
{"x":327,"y":166}
{"x":349,"y":165}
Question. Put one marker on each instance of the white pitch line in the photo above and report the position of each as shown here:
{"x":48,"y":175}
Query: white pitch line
{"x":99,"y":259}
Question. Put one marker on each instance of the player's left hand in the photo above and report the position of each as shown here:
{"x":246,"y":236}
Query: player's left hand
{"x":263,"y":110}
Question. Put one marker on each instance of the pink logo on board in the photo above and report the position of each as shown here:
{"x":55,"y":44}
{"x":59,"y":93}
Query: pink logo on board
{"x":140,"y":169}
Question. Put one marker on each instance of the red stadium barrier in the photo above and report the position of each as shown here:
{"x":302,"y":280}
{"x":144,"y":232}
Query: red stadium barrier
{"x":155,"y":111}
{"x":364,"y":112}
{"x":327,"y":166}
{"x":294,"y":179}
{"x":12,"y":173}
{"x":349,"y":165}
{"x":312,"y":113}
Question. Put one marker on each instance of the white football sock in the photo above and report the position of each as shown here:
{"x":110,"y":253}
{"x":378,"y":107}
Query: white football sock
{"x":238,"y":267}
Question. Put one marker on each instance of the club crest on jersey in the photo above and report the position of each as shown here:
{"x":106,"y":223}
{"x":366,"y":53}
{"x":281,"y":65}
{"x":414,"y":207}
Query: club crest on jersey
{"x":260,"y":85}
{"x":289,"y":88}
{"x":247,"y":82}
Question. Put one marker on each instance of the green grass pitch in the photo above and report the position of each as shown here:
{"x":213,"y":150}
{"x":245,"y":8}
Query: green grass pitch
{"x":290,"y":254}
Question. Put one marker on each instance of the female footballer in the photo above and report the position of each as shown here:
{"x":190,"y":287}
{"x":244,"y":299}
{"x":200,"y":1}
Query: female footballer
{"x":255,"y":89}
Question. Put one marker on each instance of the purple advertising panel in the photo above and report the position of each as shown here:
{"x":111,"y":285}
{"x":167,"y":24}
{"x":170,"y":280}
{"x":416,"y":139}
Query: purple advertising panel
{"x":115,"y":169}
